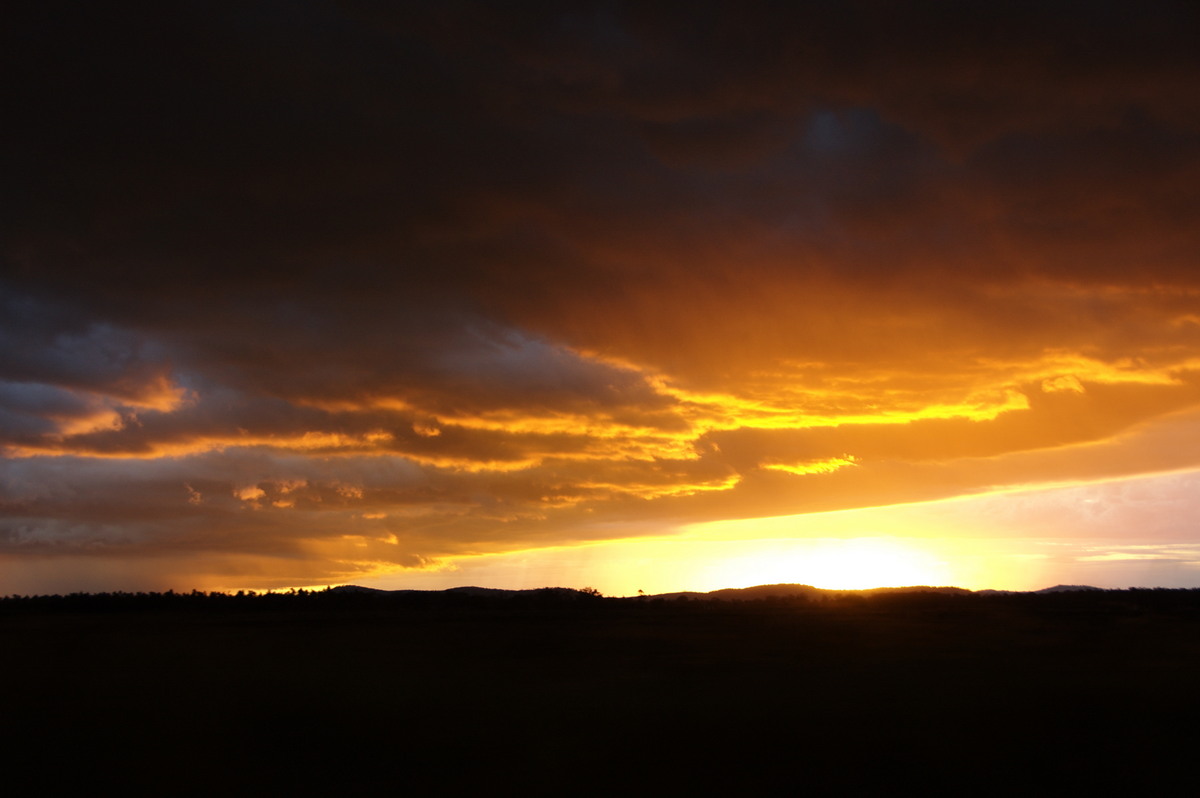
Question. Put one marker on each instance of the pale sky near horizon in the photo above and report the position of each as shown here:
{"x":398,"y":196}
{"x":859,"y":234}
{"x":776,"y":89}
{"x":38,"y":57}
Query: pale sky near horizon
{"x":591,"y":292}
{"x":1136,"y":532}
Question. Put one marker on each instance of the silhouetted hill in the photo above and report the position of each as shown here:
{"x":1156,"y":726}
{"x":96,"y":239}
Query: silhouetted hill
{"x":808,"y":591}
{"x":764,"y":591}
{"x":948,"y":591}
{"x":802,"y":591}
{"x":469,"y":590}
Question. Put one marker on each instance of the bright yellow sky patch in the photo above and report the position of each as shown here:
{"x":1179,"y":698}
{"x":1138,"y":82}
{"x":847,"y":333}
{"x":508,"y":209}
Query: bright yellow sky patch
{"x":827,"y":466}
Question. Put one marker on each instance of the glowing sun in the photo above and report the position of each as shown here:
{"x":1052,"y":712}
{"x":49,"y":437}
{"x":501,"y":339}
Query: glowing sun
{"x":851,"y":564}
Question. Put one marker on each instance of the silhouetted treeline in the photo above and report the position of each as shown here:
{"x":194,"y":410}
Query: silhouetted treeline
{"x":329,"y":598}
{"x":808,"y":599}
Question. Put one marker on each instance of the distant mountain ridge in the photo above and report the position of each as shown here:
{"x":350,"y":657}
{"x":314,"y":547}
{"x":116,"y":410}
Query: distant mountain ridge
{"x":723,"y":594}
{"x":466,"y":590}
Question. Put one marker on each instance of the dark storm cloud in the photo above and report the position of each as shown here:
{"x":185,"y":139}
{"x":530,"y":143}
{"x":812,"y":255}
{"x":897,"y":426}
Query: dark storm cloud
{"x":270,"y":147}
{"x":44,"y":342}
{"x":31,"y":410}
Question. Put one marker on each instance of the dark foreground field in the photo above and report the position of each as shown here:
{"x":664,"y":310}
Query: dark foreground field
{"x":567,"y":694}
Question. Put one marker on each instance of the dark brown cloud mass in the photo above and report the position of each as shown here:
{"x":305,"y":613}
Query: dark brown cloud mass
{"x":298,"y":291}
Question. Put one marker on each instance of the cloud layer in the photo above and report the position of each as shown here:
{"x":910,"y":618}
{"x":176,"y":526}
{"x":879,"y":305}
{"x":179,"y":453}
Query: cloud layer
{"x":294,"y":292}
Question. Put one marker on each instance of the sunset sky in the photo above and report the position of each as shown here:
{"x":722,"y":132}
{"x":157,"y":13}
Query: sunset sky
{"x":610,"y":294}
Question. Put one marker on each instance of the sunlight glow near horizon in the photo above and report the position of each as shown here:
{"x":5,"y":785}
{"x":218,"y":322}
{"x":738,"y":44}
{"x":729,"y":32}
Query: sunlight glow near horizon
{"x":1121,"y":533}
{"x":852,"y":564}
{"x":688,"y":563}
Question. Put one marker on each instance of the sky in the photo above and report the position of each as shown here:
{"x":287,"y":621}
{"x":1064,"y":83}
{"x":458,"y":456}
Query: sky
{"x":635,"y":295}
